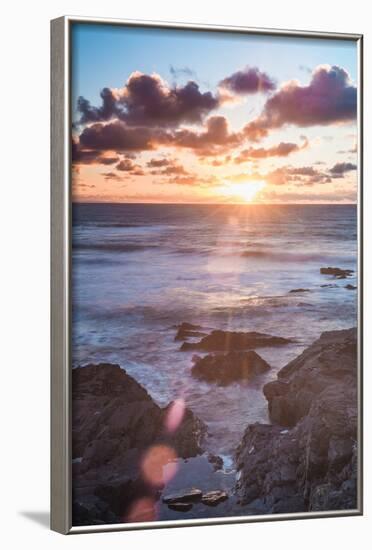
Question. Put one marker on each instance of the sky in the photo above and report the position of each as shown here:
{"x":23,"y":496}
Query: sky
{"x":185,"y":116}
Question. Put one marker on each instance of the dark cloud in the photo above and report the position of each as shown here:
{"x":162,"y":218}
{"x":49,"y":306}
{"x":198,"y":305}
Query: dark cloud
{"x":214,"y":139}
{"x":106,"y":111}
{"x":81,"y":156}
{"x":248,"y":81}
{"x":341,"y":168}
{"x":166,"y":167}
{"x":107,"y":160}
{"x":117,"y":136}
{"x":158,"y":163}
{"x":175,"y":169}
{"x":330,"y":98}
{"x":147,"y":100}
{"x":283,"y":149}
{"x":128,"y":166}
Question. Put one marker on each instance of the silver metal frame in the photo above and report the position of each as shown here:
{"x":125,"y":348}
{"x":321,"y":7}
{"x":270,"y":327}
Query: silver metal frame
{"x":61,"y":517}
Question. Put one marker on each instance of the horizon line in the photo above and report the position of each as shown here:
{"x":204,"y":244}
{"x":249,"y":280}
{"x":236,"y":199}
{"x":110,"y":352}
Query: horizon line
{"x":222,"y":203}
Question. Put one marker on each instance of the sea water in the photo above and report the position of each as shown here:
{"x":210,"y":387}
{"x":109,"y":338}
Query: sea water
{"x":139,"y":270}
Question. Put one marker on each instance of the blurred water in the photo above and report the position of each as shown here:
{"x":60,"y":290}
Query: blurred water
{"x":139,"y":270}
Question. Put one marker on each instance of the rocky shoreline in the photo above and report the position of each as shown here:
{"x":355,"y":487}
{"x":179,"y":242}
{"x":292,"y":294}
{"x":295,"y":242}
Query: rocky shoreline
{"x":124,"y":445}
{"x":306,"y":460}
{"x":121,"y":441}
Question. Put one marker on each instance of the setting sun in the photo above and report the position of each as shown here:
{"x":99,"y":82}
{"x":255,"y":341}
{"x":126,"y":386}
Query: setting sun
{"x":245,"y":191}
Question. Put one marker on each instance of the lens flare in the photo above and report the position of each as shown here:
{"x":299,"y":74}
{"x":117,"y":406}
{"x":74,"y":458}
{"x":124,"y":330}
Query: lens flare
{"x":143,"y":509}
{"x":159,"y":465}
{"x":175,"y":415}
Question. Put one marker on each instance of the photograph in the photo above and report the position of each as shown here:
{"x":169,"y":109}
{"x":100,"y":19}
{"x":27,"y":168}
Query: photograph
{"x":215,"y":274}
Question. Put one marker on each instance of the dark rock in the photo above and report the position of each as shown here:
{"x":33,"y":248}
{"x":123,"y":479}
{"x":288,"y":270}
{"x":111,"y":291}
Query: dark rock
{"x":187,"y":438}
{"x":299,"y":290}
{"x":290,"y":505}
{"x":230,"y":367}
{"x":190,"y":495}
{"x":216,"y":461}
{"x":185,"y":332}
{"x":188,"y":326}
{"x":212,"y":498}
{"x":114,"y":424}
{"x":312,"y":465}
{"x":325,"y":363}
{"x":336,"y":272}
{"x":180,"y":506}
{"x":220,"y":340}
{"x":350,"y":287}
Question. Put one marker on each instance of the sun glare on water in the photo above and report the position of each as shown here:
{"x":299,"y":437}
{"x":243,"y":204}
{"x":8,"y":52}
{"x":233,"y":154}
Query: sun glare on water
{"x":245,"y":191}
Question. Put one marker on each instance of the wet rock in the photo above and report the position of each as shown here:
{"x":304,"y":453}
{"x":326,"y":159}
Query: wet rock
{"x":336,"y":272}
{"x":221,"y":340}
{"x":180,"y":506}
{"x":329,"y":361}
{"x":350,"y":287}
{"x":188,"y":326}
{"x":190,"y":495}
{"x":216,"y":461}
{"x":311,"y":464}
{"x":299,"y":290}
{"x":213,"y":498}
{"x":187,"y":330}
{"x":230,"y":367}
{"x":187,"y":438}
{"x":114,"y":424}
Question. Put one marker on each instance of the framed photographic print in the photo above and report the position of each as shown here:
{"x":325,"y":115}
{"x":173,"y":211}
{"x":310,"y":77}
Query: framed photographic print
{"x":206,"y":274}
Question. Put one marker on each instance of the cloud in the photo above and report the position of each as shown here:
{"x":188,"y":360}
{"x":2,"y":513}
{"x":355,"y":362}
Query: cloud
{"x":158,"y":163}
{"x":107,"y":160}
{"x":127,"y":165}
{"x":297,"y":175}
{"x":107,"y":110}
{"x":166,"y":167}
{"x":148,"y":100}
{"x":329,"y":98}
{"x":221,"y":161}
{"x":341,"y":168}
{"x":248,"y":81}
{"x":214,"y":139}
{"x":255,"y":130}
{"x":111,"y":176}
{"x":193,"y":180}
{"x":117,"y":136}
{"x":306,"y":175}
{"x":80,"y":156}
{"x":283,"y":149}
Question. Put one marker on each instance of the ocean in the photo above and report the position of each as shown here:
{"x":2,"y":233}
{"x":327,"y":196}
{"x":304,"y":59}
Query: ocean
{"x":139,"y":270}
